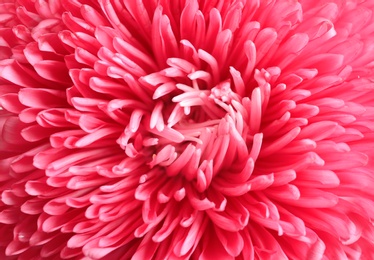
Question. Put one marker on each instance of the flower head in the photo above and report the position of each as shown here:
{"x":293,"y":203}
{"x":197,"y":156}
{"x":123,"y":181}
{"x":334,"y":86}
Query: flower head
{"x":187,"y":129}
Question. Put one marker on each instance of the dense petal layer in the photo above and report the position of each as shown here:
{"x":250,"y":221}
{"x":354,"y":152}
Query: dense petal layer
{"x":186,"y":129}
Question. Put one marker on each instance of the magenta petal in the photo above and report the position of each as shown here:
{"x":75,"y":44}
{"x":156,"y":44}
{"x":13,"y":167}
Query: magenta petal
{"x":52,"y":70}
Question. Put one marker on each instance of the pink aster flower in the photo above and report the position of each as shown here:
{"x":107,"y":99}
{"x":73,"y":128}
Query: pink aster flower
{"x":191,"y":129}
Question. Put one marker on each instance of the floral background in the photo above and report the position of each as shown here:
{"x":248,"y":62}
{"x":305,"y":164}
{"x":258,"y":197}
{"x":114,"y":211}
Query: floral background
{"x":186,"y":129}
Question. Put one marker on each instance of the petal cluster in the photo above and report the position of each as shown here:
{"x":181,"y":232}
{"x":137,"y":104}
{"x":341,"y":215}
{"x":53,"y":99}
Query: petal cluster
{"x":192,"y":129}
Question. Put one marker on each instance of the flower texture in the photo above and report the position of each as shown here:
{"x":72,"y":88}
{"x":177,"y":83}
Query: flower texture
{"x":187,"y":129}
